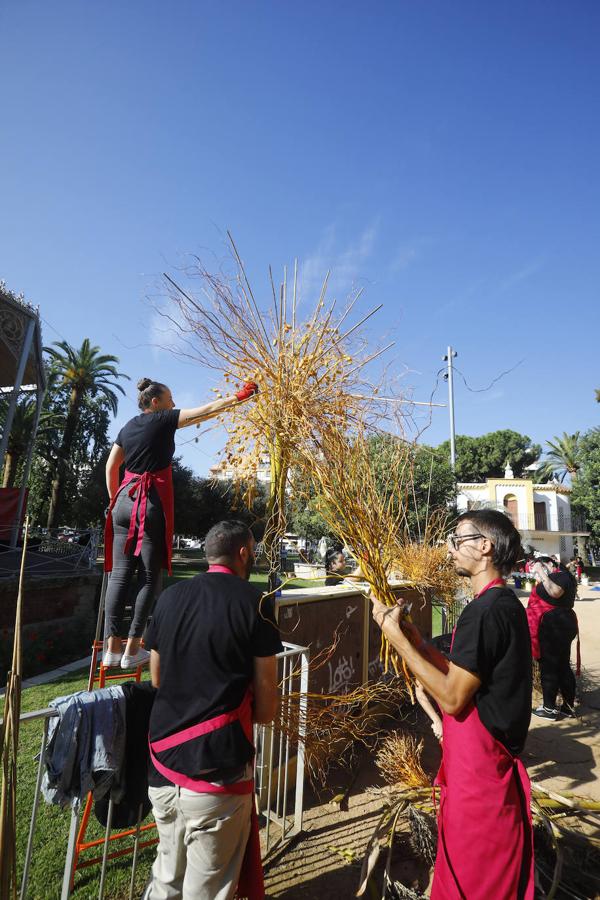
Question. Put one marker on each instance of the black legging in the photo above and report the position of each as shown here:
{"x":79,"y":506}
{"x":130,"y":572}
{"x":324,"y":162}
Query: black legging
{"x":558,"y":628}
{"x":147,"y":565}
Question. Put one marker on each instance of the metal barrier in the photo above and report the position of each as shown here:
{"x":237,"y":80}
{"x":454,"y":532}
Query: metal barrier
{"x":53,"y":554}
{"x":273,"y":762}
{"x":449,"y":614}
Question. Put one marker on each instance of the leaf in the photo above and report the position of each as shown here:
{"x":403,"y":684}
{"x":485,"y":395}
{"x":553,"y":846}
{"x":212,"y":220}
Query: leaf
{"x":374,"y":846}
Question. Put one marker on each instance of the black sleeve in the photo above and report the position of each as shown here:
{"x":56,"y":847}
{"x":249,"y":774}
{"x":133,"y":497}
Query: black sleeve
{"x":169,"y":419}
{"x":265,"y":640}
{"x":564,"y":580}
{"x":119,"y":439}
{"x":467,"y":649}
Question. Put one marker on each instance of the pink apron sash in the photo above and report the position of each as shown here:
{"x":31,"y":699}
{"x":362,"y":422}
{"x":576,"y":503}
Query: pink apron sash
{"x":251,"y":882}
{"x":138,"y":486}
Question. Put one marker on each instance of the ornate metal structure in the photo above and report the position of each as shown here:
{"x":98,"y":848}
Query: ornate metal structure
{"x":21,"y":365}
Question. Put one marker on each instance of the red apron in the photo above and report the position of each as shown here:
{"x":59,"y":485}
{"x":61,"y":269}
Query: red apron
{"x":251,"y":882}
{"x":484,"y":802}
{"x":139,"y":487}
{"x":536,"y":610}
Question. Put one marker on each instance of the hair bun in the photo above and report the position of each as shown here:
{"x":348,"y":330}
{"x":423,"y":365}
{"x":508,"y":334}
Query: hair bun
{"x":144,"y":383}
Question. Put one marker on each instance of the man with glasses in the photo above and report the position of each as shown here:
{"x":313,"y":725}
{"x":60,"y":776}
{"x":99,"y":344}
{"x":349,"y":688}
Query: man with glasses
{"x":485,"y":846}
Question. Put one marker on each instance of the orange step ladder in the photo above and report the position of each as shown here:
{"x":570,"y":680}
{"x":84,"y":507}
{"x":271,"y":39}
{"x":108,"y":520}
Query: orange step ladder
{"x":99,"y":677}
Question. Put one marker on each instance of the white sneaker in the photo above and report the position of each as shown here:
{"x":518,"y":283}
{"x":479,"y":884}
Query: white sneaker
{"x":110,"y":659}
{"x":132,"y":662}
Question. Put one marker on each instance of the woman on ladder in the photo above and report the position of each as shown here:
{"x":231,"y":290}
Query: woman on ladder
{"x":139,"y":523}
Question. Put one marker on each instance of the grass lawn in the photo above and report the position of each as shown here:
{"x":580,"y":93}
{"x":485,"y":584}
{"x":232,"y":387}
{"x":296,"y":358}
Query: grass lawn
{"x":188,"y":568}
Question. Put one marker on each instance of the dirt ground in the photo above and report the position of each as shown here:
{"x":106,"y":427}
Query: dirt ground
{"x":324,"y":862}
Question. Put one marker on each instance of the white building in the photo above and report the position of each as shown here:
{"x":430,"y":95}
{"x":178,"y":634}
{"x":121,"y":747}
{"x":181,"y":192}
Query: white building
{"x":222,"y":471}
{"x":541,"y":512}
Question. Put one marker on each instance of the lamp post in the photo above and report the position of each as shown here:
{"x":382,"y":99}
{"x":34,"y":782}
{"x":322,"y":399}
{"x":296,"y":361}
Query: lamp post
{"x":448,"y":377}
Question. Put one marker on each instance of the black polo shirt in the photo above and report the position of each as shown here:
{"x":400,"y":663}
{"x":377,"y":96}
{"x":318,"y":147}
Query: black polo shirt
{"x":148,"y":441}
{"x":207,"y":632}
{"x":569,"y":585}
{"x":492,"y":641}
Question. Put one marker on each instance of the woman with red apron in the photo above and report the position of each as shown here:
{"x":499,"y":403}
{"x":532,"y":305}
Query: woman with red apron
{"x":553,"y":627}
{"x":485,"y":839}
{"x":139,"y":523}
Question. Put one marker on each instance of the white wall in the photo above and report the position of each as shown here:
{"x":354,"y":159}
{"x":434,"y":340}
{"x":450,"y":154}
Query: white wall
{"x":472,"y":494}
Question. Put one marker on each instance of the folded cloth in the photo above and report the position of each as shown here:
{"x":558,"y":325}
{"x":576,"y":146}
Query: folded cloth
{"x":86,"y":746}
{"x":139,"y":698}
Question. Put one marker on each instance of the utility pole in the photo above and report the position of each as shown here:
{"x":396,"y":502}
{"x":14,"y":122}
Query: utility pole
{"x":448,"y":377}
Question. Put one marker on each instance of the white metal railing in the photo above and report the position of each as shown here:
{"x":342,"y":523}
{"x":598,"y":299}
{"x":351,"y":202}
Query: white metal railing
{"x":279,"y":764}
{"x":276,"y":756}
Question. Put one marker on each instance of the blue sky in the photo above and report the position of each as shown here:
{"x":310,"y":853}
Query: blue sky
{"x":442,"y":156}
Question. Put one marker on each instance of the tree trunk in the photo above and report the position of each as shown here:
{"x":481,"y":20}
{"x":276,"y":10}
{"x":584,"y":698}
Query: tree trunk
{"x":62,"y":462}
{"x":11,"y":461}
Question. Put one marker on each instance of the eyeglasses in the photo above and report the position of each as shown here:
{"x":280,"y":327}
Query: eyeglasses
{"x":455,"y":540}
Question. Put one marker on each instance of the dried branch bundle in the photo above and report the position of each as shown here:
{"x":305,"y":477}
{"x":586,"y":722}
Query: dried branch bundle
{"x":333,"y":724}
{"x":426,"y":564}
{"x":399,"y":760}
{"x":310,"y":371}
{"x":368,"y":507}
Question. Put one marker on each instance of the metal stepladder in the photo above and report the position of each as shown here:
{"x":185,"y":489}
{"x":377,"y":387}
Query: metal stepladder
{"x":77,"y":846}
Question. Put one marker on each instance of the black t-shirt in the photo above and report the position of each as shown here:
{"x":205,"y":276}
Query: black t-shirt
{"x":148,"y":441}
{"x":492,"y":641}
{"x":207,"y":632}
{"x":569,"y":585}
{"x":332,"y":578}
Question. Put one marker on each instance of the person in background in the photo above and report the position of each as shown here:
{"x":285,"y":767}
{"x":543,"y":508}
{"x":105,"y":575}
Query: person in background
{"x":572,"y":566}
{"x":213,"y":643}
{"x":336,"y":568}
{"x":553,"y":627}
{"x":485,"y":837}
{"x":138,"y":535}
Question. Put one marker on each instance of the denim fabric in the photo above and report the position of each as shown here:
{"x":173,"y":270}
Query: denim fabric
{"x":86,"y":746}
{"x":147,"y":566}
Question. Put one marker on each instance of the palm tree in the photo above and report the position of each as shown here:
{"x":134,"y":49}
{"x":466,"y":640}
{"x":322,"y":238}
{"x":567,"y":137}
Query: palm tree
{"x":564,"y":456}
{"x":20,"y":433}
{"x":85,"y":373}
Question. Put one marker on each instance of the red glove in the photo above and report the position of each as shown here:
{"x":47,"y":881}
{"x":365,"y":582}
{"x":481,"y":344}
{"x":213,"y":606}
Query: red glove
{"x":249,"y":389}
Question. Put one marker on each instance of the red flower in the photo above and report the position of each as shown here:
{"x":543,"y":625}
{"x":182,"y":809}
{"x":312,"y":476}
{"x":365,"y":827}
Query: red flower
{"x":32,"y":636}
{"x":41,"y":657}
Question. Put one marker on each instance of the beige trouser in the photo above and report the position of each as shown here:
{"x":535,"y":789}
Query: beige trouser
{"x":202,"y":841}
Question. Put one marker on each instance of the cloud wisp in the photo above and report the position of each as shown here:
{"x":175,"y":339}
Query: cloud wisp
{"x":344,"y":263}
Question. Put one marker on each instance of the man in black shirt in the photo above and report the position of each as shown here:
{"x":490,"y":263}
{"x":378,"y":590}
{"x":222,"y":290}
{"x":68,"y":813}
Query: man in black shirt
{"x":213,"y":641}
{"x":484,"y":692}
